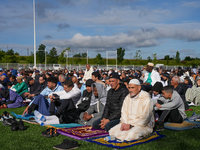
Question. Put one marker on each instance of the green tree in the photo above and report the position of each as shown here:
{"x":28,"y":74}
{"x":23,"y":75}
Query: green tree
{"x":137,"y":55}
{"x":149,"y":59}
{"x":30,"y":59}
{"x":2,"y":54}
{"x":9,"y":57}
{"x":10,"y":52}
{"x":154,"y":58}
{"x":62,"y":57}
{"x":99,"y":59}
{"x":177,"y":57}
{"x":187,"y":58}
{"x":120,"y":55}
{"x":77,"y":55}
{"x":40,"y":54}
{"x":52,"y":57}
{"x":84,"y":55}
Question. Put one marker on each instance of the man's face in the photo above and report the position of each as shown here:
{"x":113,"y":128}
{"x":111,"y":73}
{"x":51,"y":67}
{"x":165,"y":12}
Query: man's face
{"x":31,"y":82}
{"x":114,"y":83}
{"x":107,"y":82}
{"x":88,"y":67}
{"x":173,"y":82}
{"x":123,"y":75}
{"x":133,"y":89}
{"x":61,"y":79}
{"x":94,"y":78}
{"x":155,"y":92}
{"x":41,"y":80}
{"x":89,"y":89}
{"x":51,"y":85}
{"x":11,"y":79}
{"x":67,"y":89}
{"x":2,"y":78}
{"x":19,"y":80}
{"x":149,"y":68}
{"x":95,"y":91}
{"x":166,"y":95}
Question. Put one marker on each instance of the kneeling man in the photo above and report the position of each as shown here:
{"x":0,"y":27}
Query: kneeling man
{"x":137,"y":119}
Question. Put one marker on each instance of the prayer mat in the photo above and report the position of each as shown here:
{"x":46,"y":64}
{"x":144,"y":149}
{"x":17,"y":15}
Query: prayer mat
{"x":120,"y":145}
{"x":27,"y":117}
{"x":61,"y":126}
{"x":82,"y":132}
{"x":31,"y":121}
{"x":185,"y":125}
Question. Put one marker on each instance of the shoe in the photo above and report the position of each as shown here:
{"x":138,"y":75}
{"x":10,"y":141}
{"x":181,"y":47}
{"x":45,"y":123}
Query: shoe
{"x":14,"y":126}
{"x":8,"y":122}
{"x":159,"y":127}
{"x":55,"y":133}
{"x":67,"y":145}
{"x":21,"y":125}
{"x":191,"y":104}
{"x":48,"y":133}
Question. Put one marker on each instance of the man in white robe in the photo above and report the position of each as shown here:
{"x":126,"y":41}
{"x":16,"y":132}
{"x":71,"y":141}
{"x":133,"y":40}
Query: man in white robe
{"x":137,"y":119}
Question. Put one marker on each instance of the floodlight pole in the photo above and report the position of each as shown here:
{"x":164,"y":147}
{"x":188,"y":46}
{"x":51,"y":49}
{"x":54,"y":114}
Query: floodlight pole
{"x":34,"y":33}
{"x":45,"y":59}
{"x":67,"y":59}
{"x":107,"y":59}
{"x":116,"y":60}
{"x":87,"y":56}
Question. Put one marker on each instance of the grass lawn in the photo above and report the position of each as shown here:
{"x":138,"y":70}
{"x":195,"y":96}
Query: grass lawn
{"x":31,"y":139}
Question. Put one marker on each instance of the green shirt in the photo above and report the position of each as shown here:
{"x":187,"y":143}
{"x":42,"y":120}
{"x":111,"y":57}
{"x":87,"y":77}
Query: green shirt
{"x":21,"y":88}
{"x":149,"y":78}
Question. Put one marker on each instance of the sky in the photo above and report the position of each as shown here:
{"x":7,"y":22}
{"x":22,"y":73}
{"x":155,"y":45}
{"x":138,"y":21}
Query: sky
{"x":151,"y":26}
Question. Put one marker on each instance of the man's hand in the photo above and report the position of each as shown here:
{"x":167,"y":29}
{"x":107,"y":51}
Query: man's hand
{"x":26,"y":110}
{"x":86,"y":116}
{"x":104,"y":122}
{"x":158,"y":105}
{"x":125,"y":127}
{"x":26,"y":94}
{"x":51,"y":97}
{"x":198,"y":82}
{"x":146,"y":83}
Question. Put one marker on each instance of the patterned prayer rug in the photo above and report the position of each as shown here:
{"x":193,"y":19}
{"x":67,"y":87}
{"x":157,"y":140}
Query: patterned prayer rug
{"x":121,"y":145}
{"x":82,"y":132}
{"x":185,"y":125}
{"x":61,"y":126}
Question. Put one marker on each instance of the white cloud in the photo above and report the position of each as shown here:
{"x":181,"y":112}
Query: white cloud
{"x":192,"y":4}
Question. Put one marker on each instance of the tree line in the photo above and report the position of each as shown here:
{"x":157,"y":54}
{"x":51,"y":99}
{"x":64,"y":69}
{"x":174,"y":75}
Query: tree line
{"x":52,"y":57}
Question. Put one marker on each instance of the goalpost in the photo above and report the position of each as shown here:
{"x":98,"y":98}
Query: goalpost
{"x":107,"y":52}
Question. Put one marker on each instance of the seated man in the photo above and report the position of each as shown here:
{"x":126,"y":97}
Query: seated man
{"x":156,"y":90}
{"x":83,"y":104}
{"x":10,"y":99}
{"x":150,"y":78}
{"x":114,"y":101}
{"x":137,"y":118}
{"x":175,"y":82}
{"x":21,"y":87}
{"x":61,"y":79}
{"x":95,"y":78}
{"x":98,"y":101}
{"x":40,"y":101}
{"x":13,"y":79}
{"x":33,"y":87}
{"x":170,"y":107}
{"x":62,"y":101}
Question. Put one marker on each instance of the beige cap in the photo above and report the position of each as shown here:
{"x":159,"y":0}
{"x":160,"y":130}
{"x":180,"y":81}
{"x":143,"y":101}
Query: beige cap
{"x":19,"y":77}
{"x":150,"y":64}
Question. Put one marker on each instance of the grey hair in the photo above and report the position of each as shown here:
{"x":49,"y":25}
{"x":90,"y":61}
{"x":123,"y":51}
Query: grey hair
{"x":62,"y":76}
{"x":177,"y":79}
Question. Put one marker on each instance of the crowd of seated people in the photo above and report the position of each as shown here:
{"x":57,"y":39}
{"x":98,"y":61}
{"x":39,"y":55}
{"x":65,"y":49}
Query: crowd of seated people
{"x":104,"y":98}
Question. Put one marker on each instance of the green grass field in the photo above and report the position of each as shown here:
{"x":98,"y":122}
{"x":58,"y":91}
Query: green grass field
{"x":31,"y":139}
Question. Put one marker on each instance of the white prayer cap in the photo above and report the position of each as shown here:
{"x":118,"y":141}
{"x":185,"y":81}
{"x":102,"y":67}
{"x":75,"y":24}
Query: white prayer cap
{"x":134,"y":81}
{"x":150,"y":64}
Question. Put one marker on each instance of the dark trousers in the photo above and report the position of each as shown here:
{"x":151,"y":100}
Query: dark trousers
{"x":62,"y":106}
{"x":108,"y":126}
{"x":172,"y":116}
{"x":71,"y":117}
